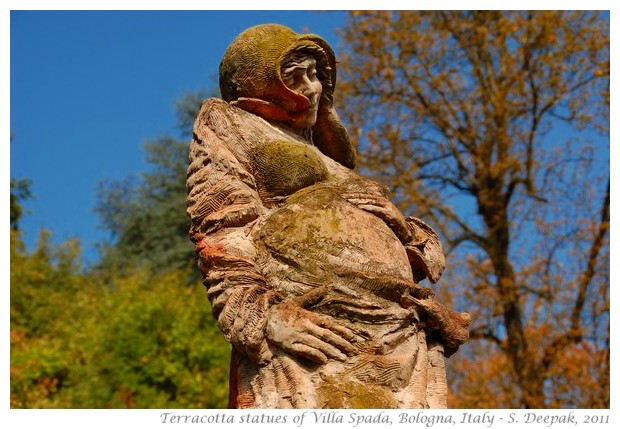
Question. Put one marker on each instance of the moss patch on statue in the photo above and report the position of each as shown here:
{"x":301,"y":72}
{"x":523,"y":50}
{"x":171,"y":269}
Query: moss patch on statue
{"x":349,"y":393}
{"x":284,"y":167}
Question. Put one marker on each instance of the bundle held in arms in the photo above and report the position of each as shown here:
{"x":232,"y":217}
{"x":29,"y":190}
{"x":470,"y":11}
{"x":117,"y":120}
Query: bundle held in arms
{"x":312,"y":273}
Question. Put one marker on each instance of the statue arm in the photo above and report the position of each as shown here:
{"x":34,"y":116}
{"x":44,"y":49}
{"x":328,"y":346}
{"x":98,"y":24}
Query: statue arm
{"x":331,"y":138}
{"x":421,"y":242}
{"x":425,"y":251}
{"x":223,"y":204}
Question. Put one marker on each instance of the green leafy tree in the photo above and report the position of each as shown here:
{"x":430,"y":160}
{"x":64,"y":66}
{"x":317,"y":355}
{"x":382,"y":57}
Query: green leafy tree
{"x":146,"y":216}
{"x":461,"y":113}
{"x":44,"y":283}
{"x":95,"y":340}
{"x":150,"y":344}
{"x":20,"y":191}
{"x":135,"y":331}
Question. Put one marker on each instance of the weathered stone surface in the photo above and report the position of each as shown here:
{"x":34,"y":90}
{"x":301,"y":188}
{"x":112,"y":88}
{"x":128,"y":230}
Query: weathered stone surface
{"x":311,"y":271}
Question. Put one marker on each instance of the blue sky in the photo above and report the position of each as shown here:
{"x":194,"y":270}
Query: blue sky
{"x":88,"y":87}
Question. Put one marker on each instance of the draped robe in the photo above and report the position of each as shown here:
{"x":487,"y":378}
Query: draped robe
{"x":275,"y":220}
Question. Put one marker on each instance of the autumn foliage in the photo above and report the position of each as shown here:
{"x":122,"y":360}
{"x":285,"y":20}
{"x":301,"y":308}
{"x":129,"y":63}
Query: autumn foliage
{"x":93,"y":341}
{"x":482,"y":123}
{"x":490,"y":126}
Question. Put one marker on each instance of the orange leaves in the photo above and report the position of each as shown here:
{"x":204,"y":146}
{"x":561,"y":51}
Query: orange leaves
{"x":37,"y":371}
{"x":126,"y":396}
{"x":388,"y":73}
{"x":463,"y":114}
{"x":481,"y":383}
{"x":584,"y":373}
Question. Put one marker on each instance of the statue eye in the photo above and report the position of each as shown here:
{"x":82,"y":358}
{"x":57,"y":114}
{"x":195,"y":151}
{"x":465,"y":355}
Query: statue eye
{"x":295,"y":78}
{"x":288,"y":80}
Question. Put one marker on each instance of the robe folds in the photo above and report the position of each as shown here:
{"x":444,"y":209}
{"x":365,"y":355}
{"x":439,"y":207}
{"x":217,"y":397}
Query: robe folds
{"x":274,"y":220}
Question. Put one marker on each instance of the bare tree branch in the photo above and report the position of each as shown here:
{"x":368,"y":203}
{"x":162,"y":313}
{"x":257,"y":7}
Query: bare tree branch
{"x":574,"y":333}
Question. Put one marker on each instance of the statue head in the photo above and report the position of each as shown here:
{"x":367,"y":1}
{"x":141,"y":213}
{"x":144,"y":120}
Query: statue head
{"x":258,"y":73}
{"x":257,"y":63}
{"x":299,"y":73}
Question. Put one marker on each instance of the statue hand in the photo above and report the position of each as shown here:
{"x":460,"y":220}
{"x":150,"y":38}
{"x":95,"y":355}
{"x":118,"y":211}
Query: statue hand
{"x":327,"y":101}
{"x":453,"y":327}
{"x":303,"y":333}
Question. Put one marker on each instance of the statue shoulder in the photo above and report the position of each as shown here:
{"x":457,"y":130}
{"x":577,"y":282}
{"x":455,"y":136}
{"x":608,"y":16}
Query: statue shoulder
{"x":226,"y":119}
{"x":214,"y":103}
{"x":212,"y":109}
{"x":242,"y":133}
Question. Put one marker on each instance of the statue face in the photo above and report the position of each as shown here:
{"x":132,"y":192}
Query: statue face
{"x":299,"y":74}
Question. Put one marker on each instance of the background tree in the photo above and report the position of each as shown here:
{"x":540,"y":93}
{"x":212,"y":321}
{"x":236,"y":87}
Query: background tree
{"x":135,"y":331}
{"x":479,"y":122}
{"x":20,"y":191}
{"x":102,"y":340}
{"x":146,"y":215}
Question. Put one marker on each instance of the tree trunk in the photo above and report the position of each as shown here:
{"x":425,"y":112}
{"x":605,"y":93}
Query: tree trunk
{"x":524,"y":363}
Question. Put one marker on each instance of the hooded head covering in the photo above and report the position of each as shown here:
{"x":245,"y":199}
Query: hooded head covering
{"x":250,"y":78}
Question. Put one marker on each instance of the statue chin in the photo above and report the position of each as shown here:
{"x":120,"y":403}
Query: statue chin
{"x":308,"y":120}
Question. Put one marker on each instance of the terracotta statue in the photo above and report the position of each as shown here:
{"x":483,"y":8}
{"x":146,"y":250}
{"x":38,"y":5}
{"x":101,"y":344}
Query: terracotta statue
{"x":311,"y":271}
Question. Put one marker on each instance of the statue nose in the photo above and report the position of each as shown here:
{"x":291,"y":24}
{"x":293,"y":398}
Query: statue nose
{"x":312,"y":88}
